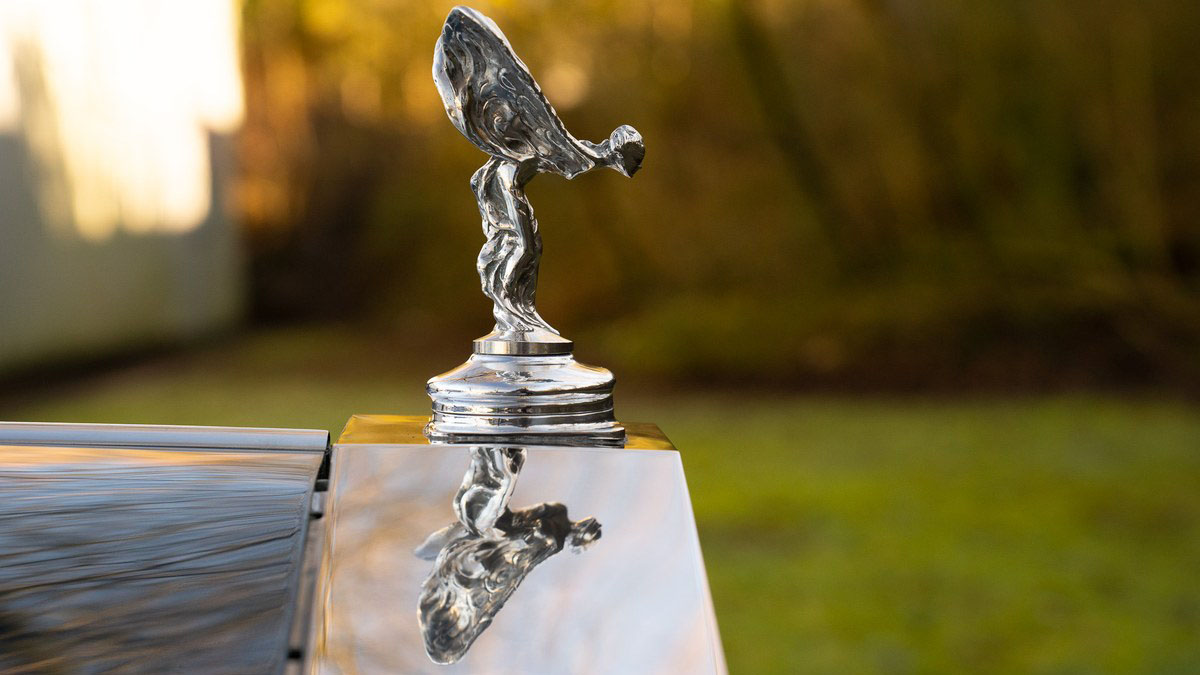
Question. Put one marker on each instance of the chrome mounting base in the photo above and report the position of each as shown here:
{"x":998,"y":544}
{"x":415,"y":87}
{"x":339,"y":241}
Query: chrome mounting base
{"x":523,"y":396}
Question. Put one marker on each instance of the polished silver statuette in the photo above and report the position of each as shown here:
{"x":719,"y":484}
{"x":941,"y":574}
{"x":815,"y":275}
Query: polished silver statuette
{"x":521,"y":379}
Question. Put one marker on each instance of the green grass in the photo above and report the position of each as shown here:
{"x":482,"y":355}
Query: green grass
{"x":1053,"y":534}
{"x":1029,"y":535}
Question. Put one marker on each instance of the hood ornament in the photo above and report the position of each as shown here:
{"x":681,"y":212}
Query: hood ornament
{"x":522,"y":379}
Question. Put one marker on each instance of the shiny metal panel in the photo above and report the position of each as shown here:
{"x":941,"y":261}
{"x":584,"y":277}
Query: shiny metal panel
{"x":421,"y":527}
{"x":162,"y":436}
{"x":142,"y":560}
{"x":408,"y":430}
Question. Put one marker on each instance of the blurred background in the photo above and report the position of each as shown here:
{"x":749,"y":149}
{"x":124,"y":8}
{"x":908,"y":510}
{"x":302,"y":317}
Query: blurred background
{"x":913,"y":284}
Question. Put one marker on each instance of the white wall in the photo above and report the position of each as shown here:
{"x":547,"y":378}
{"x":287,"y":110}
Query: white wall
{"x":116,"y":119}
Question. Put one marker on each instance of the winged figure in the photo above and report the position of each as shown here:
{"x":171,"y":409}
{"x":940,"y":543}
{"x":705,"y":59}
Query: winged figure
{"x":492,"y":98}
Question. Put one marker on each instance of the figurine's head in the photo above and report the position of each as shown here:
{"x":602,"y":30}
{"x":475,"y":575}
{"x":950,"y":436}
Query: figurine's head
{"x":625,"y":150}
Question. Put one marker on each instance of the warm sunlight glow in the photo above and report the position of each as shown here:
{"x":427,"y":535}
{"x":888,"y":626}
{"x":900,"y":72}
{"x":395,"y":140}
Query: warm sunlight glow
{"x":10,"y":103}
{"x":116,"y":100}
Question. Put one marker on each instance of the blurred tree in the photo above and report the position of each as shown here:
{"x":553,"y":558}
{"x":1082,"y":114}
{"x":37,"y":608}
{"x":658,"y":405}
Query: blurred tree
{"x":898,"y":192}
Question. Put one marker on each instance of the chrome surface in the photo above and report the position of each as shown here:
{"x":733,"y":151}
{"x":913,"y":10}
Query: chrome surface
{"x":479,"y":561}
{"x":482,"y":498}
{"x":495,"y":598}
{"x":162,"y":436}
{"x":527,"y":395}
{"x":409,"y":430}
{"x":491,"y":97}
{"x":527,"y":343}
{"x":151,"y":560}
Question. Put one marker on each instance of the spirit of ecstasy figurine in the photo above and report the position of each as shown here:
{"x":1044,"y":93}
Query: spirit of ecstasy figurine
{"x":521,"y":379}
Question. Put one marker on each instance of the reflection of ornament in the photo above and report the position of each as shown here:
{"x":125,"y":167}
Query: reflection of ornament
{"x":491,"y":97}
{"x":487,"y":486}
{"x":480,"y":560}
